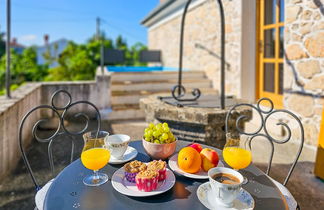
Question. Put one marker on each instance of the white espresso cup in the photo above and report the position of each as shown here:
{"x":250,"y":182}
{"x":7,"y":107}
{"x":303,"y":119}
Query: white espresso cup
{"x":225,"y":194}
{"x":117,"y":145}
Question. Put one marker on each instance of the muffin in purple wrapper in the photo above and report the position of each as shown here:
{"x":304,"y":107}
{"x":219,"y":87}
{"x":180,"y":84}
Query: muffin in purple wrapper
{"x":132,"y":169}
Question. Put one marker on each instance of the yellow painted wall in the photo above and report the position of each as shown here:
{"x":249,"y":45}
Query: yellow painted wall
{"x":319,"y":164}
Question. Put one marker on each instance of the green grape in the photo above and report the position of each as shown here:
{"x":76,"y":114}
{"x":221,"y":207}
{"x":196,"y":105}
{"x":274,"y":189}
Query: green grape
{"x":166,"y":129}
{"x":156,"y":134}
{"x":151,"y":125}
{"x":165,"y":125}
{"x":149,"y":133}
{"x":170,"y":135}
{"x":147,"y":139}
{"x":157,"y":141}
{"x":146,"y":130}
{"x":159,"y":126}
{"x":165,"y":136}
{"x":168,"y":141}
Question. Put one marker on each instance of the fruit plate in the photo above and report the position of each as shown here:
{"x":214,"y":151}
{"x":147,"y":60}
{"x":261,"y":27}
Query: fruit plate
{"x":125,"y":187}
{"x":201,"y":174}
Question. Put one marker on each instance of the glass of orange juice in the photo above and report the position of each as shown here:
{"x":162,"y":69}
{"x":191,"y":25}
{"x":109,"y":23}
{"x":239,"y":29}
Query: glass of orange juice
{"x":236,"y":152}
{"x":95,"y":156}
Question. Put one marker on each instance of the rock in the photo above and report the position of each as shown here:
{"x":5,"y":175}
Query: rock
{"x":318,"y":111}
{"x":288,"y":78}
{"x":315,"y":83}
{"x":311,"y":133}
{"x":315,"y":44}
{"x":317,"y":15}
{"x":312,"y":4}
{"x":305,"y":28}
{"x":296,"y":37}
{"x":294,"y":52}
{"x":306,"y":15}
{"x":318,"y":26}
{"x":292,"y":13}
{"x":303,"y":105}
{"x":308,"y":68}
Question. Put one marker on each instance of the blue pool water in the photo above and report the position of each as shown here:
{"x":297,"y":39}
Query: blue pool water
{"x":139,"y":68}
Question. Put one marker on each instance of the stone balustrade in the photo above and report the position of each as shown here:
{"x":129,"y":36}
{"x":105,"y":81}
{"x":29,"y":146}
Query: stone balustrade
{"x":33,"y":94}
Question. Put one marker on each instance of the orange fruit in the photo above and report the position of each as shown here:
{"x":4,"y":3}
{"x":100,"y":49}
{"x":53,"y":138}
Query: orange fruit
{"x":189,"y":160}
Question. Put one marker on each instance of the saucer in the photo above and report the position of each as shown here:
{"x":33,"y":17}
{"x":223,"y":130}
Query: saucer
{"x":125,"y":187}
{"x":201,"y":174}
{"x":243,"y":201}
{"x":130,"y":154}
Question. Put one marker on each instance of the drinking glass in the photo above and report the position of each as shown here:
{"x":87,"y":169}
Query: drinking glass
{"x":236,"y":152}
{"x":95,"y":156}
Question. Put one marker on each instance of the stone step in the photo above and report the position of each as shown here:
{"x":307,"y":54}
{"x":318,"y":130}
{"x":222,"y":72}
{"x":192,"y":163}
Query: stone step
{"x":126,"y":114}
{"x":155,"y":76}
{"x":123,"y":106}
{"x":160,"y":86}
{"x":150,"y":92}
{"x":172,"y":81}
{"x":134,"y":99}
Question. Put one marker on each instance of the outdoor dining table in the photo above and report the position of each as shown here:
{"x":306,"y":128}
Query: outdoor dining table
{"x":68,"y":191}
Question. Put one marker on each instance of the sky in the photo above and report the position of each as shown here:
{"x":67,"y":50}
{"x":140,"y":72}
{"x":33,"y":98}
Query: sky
{"x":76,"y":19}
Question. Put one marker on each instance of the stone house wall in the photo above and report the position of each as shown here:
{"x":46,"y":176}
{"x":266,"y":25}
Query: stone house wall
{"x":304,"y":63}
{"x":304,"y":52}
{"x":202,"y":42}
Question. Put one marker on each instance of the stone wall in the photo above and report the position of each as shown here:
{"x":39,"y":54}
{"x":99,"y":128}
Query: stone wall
{"x":33,"y":94}
{"x":202,"y":42}
{"x":304,"y":63}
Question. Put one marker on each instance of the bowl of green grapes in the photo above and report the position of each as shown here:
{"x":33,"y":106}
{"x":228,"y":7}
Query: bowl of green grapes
{"x":158,"y":141}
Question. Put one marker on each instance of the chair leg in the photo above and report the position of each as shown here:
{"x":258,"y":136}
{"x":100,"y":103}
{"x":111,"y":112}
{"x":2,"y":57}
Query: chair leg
{"x":298,"y":207}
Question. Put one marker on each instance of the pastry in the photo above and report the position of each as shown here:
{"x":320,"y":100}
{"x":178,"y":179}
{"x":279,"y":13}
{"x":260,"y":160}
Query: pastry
{"x":132,"y":169}
{"x":147,"y":180}
{"x":159,"y":166}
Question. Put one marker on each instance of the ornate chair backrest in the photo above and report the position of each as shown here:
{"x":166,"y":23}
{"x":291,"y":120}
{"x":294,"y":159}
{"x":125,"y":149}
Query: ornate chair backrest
{"x":61,"y":113}
{"x":262,"y":130}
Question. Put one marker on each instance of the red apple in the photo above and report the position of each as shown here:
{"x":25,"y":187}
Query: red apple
{"x":196,"y":146}
{"x":209,"y":159}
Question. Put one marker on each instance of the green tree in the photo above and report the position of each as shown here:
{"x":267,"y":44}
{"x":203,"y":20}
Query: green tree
{"x":75,"y":63}
{"x":23,"y":67}
{"x":135,"y":54}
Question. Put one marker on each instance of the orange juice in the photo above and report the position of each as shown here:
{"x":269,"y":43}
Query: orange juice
{"x":236,"y":157}
{"x":95,"y":159}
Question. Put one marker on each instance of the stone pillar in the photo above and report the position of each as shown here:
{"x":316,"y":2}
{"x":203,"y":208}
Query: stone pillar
{"x":102,"y":92}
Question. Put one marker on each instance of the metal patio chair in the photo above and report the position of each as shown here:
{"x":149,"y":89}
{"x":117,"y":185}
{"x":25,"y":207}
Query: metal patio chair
{"x":262,"y":131}
{"x":61,"y":113}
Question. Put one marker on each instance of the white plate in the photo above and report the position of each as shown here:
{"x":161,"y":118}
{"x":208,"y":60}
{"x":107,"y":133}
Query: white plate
{"x":205,"y":195}
{"x":130,"y":154}
{"x":201,"y":174}
{"x":125,"y":187}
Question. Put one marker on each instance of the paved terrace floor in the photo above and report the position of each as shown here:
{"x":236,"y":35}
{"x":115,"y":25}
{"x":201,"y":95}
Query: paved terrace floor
{"x":17,"y":190}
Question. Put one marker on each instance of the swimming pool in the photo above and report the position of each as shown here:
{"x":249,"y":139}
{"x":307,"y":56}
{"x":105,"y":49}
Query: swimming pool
{"x":139,"y":68}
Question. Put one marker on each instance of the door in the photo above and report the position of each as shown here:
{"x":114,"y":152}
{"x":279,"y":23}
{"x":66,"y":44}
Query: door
{"x":270,"y":50}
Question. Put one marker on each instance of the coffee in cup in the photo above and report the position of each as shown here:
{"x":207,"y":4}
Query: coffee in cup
{"x":226,"y":178}
{"x":226,"y":183}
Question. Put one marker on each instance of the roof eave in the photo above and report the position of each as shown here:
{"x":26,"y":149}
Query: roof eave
{"x":156,"y":11}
